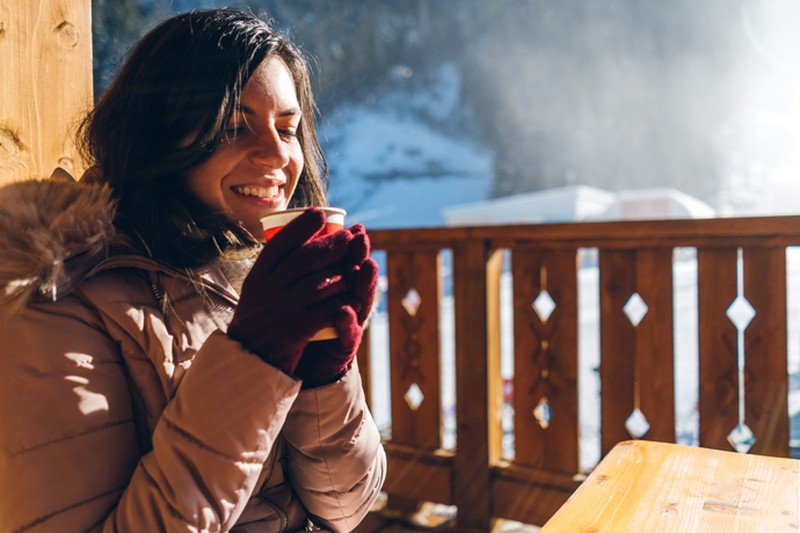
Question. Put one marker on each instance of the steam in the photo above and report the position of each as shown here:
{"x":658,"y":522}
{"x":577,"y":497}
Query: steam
{"x":700,"y":96}
{"x":761,"y":143}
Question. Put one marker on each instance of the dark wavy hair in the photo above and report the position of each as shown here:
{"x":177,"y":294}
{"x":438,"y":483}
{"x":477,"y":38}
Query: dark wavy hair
{"x":182,"y":81}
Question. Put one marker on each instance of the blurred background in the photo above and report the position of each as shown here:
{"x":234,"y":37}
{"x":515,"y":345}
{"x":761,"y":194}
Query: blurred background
{"x":536,"y":110}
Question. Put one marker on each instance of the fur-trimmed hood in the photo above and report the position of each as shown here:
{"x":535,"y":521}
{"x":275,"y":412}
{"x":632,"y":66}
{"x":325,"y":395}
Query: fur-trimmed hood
{"x":50,"y":231}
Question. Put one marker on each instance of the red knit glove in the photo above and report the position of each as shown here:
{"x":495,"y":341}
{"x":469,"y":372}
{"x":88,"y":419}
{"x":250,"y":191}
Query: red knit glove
{"x":326,"y":361}
{"x":287,"y":296}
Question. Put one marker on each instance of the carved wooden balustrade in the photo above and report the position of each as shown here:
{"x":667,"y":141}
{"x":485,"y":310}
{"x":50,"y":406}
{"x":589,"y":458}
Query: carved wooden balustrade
{"x":742,"y":370}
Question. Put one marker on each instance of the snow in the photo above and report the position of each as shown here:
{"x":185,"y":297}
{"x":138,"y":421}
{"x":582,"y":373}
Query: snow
{"x":393,"y":164}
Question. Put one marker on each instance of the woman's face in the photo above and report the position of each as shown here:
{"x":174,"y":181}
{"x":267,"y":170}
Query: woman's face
{"x":255,"y":171}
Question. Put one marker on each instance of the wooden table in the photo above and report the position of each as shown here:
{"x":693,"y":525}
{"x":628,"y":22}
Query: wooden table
{"x":650,"y":487}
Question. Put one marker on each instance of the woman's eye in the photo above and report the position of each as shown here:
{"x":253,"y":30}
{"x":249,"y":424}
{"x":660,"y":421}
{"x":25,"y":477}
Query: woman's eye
{"x":288,"y":133}
{"x":234,"y":131}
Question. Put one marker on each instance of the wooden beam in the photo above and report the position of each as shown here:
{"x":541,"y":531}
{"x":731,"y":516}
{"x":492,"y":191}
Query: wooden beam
{"x":45,"y":84}
{"x":472,"y":470}
{"x":419,"y":475}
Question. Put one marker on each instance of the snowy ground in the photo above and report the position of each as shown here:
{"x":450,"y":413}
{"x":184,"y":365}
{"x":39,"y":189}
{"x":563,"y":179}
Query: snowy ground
{"x":390,"y":168}
{"x":685,"y":347}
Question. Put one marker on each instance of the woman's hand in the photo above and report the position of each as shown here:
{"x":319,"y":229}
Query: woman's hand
{"x":326,"y":361}
{"x":288,"y":295}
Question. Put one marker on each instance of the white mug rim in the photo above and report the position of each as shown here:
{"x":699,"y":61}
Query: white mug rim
{"x":334,"y":215}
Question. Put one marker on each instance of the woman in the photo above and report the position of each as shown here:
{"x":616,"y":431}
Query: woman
{"x":156,"y":369}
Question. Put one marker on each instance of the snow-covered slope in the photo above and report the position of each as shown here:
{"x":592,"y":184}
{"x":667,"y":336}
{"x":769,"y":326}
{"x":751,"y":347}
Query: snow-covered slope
{"x":394,"y":163}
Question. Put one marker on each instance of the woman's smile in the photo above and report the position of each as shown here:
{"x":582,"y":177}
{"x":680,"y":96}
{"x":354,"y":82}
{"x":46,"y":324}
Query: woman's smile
{"x":270,"y":192}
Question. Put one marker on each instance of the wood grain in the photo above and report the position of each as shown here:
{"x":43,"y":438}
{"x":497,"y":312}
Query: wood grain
{"x":419,"y":475}
{"x":617,"y":345}
{"x":529,"y":495}
{"x":718,"y":396}
{"x":627,"y":234}
{"x":546,"y":359}
{"x":653,"y":486}
{"x":654,"y":344}
{"x":414,"y":345}
{"x":471,"y":473}
{"x":766,"y":380}
{"x":45,"y":85}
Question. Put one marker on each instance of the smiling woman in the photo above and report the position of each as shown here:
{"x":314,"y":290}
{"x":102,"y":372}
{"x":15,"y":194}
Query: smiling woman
{"x":201,"y":103}
{"x":155,"y":352}
{"x":255,"y":170}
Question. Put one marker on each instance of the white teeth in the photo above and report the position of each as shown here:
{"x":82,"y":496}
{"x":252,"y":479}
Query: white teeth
{"x":259,"y":192}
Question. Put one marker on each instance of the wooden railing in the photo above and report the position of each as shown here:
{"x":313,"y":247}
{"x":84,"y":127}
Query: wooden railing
{"x":742,"y":372}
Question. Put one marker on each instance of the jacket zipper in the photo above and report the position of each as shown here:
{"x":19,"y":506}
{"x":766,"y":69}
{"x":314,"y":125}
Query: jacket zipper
{"x":139,"y":261}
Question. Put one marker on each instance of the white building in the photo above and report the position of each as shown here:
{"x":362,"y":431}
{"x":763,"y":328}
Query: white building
{"x":655,"y":203}
{"x":562,"y":204}
{"x":578,"y":203}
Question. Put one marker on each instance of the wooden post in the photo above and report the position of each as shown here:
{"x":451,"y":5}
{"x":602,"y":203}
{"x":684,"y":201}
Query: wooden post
{"x":546,"y":360}
{"x":472,"y":474}
{"x":718,"y":403}
{"x":617,"y":345}
{"x":45,"y":84}
{"x":765,"y":379}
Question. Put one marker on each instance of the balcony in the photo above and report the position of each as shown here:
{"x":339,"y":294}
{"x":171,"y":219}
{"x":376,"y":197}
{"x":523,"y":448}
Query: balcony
{"x":667,"y":330}
{"x":675,"y":331}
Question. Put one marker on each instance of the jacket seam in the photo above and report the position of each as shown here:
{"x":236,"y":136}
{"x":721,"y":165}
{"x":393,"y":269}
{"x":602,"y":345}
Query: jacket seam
{"x":196,"y":440}
{"x":361,"y":482}
{"x":172,"y":509}
{"x":68,"y":436}
{"x":48,"y":516}
{"x":325,"y":461}
{"x":270,"y":466}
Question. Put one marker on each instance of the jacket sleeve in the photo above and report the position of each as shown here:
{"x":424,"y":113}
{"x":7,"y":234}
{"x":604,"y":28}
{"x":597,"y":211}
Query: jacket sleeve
{"x":69,"y":459}
{"x":336,"y":461}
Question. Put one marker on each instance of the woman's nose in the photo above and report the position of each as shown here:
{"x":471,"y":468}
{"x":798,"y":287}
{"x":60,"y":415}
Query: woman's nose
{"x":270,"y":150}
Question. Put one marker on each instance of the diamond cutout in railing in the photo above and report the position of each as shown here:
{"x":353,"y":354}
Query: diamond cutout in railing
{"x":635,"y":309}
{"x":637,"y":424}
{"x":544,"y":305}
{"x":740,"y":312}
{"x":542,"y":413}
{"x":414,"y":396}
{"x":741,"y":438}
{"x":411,"y":302}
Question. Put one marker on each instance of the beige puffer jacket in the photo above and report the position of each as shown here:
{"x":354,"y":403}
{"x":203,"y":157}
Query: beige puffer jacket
{"x":124,"y":406}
